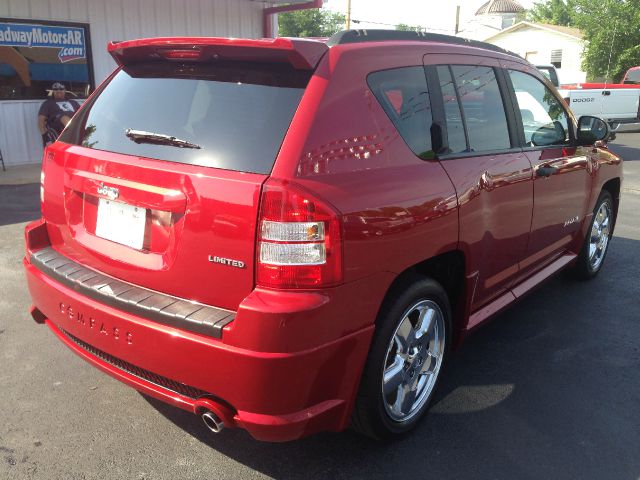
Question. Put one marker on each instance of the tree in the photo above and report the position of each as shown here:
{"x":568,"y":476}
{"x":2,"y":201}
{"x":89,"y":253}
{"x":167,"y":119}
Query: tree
{"x":555,"y":12}
{"x":611,"y":29}
{"x":310,"y":23}
{"x":409,"y":28}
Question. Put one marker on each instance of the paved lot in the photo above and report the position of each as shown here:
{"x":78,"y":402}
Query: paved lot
{"x":550,"y":389}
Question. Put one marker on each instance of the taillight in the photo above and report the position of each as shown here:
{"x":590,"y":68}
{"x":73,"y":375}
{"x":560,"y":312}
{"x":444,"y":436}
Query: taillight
{"x":48,"y":156}
{"x":299,"y":239}
{"x":42,"y":186}
{"x":181,"y":54}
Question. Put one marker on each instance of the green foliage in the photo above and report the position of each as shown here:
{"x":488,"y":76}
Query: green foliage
{"x":310,"y":23}
{"x":409,"y":28}
{"x":612,"y":29}
{"x":555,"y":12}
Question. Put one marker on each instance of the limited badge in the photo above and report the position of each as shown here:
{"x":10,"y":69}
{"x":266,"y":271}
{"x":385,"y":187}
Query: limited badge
{"x":226,"y":261}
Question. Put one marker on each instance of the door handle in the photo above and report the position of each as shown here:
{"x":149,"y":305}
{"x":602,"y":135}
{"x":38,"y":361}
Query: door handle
{"x":546,"y":171}
{"x":606,"y":92}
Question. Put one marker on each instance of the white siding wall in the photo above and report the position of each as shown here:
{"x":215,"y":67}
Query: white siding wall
{"x":20,"y":139}
{"x":543,"y":42}
{"x":116,"y":20}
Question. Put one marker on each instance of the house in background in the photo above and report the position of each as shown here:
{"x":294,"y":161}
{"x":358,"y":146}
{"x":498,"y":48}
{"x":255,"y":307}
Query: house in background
{"x":492,"y":17}
{"x":540,"y":43}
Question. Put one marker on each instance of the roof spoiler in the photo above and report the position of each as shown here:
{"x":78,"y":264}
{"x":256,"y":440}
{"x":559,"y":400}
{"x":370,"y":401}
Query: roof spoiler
{"x":299,"y":53}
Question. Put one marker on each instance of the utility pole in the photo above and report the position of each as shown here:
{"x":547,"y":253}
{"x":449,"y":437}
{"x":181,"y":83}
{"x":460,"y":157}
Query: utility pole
{"x":348,"y":14}
{"x":457,"y":19}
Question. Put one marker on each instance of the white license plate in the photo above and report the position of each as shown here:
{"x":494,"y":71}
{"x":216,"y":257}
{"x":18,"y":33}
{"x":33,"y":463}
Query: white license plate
{"x":121,"y":223}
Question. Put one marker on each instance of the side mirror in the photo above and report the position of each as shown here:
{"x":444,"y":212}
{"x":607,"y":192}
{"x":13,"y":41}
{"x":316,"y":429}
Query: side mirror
{"x":592,"y":130}
{"x":549,"y":134}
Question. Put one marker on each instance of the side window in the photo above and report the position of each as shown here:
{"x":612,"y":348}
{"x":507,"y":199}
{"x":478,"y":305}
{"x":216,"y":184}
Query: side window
{"x":483,"y":109}
{"x":404,"y":96}
{"x":453,"y":117}
{"x":544,"y":119}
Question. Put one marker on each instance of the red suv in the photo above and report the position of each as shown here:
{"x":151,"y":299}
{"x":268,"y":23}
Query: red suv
{"x":289,"y":236}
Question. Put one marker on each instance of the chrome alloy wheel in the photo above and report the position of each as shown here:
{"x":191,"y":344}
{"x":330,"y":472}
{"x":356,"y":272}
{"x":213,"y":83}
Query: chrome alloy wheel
{"x":413,"y":360}
{"x":600,"y":234}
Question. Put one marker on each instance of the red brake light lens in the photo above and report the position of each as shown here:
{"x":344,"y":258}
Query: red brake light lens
{"x":182,"y":54}
{"x":299,"y":239}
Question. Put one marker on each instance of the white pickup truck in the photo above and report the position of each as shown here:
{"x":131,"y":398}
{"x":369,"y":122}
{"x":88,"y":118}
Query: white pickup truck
{"x":615,"y":103}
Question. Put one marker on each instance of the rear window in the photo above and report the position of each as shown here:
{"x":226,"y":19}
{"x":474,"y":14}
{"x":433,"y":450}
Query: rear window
{"x":632,"y":76}
{"x":551,"y":75}
{"x":236,"y":113}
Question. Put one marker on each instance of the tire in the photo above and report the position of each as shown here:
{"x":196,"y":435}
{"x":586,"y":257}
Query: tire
{"x":596,"y":244}
{"x":406,"y":359}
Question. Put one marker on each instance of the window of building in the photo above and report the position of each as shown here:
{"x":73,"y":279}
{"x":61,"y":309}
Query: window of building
{"x":35,"y":54}
{"x":404,"y":96}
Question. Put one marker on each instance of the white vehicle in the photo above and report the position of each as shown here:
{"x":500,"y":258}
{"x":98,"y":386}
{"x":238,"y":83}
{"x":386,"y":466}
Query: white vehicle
{"x":615,"y":103}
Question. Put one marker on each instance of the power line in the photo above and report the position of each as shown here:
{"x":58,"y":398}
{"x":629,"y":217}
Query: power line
{"x":429,"y":29}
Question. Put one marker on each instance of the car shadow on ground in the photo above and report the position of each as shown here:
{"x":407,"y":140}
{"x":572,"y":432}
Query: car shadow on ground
{"x":534,"y":394}
{"x":627,"y":152}
{"x":19,"y":203}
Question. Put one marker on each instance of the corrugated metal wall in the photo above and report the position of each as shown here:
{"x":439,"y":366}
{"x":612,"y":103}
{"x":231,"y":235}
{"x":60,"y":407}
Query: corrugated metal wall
{"x":116,"y":20}
{"x":20,"y":139}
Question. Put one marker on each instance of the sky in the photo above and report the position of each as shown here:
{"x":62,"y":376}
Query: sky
{"x":438,"y":16}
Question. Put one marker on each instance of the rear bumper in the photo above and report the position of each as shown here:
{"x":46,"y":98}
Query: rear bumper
{"x":275,"y":396}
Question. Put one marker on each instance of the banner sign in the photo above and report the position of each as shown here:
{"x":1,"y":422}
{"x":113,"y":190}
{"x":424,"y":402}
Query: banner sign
{"x":70,"y":40}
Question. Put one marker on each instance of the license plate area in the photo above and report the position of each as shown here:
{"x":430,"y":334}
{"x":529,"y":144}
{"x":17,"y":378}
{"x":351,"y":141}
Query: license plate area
{"x":121,"y":223}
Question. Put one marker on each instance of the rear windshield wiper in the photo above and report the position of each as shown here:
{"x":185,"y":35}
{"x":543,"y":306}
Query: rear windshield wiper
{"x":140,"y":136}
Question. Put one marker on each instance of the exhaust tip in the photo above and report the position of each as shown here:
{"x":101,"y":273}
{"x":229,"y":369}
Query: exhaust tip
{"x":212,"y":421}
{"x":37,"y":315}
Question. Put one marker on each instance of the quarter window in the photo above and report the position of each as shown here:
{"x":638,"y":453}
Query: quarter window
{"x":544,"y":119}
{"x":483,"y":109}
{"x":404,"y":96}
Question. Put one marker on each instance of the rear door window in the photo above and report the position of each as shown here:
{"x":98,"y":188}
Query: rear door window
{"x":404,"y":96}
{"x":452,"y":113}
{"x":483,"y":108}
{"x":232,"y":116}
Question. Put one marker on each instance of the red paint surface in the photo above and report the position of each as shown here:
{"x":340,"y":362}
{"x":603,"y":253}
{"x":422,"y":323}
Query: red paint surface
{"x":597,"y":86}
{"x":290,"y":362}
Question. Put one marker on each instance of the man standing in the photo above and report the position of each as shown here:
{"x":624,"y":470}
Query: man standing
{"x":55,"y":113}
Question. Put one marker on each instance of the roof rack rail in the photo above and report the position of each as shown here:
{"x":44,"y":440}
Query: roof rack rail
{"x":376,"y":35}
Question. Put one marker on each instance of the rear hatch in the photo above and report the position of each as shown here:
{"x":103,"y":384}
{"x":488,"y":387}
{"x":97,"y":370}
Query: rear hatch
{"x":157,"y":179}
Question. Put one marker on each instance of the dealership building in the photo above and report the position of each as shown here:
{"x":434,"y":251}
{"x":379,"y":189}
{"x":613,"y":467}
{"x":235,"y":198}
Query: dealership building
{"x":47,"y":41}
